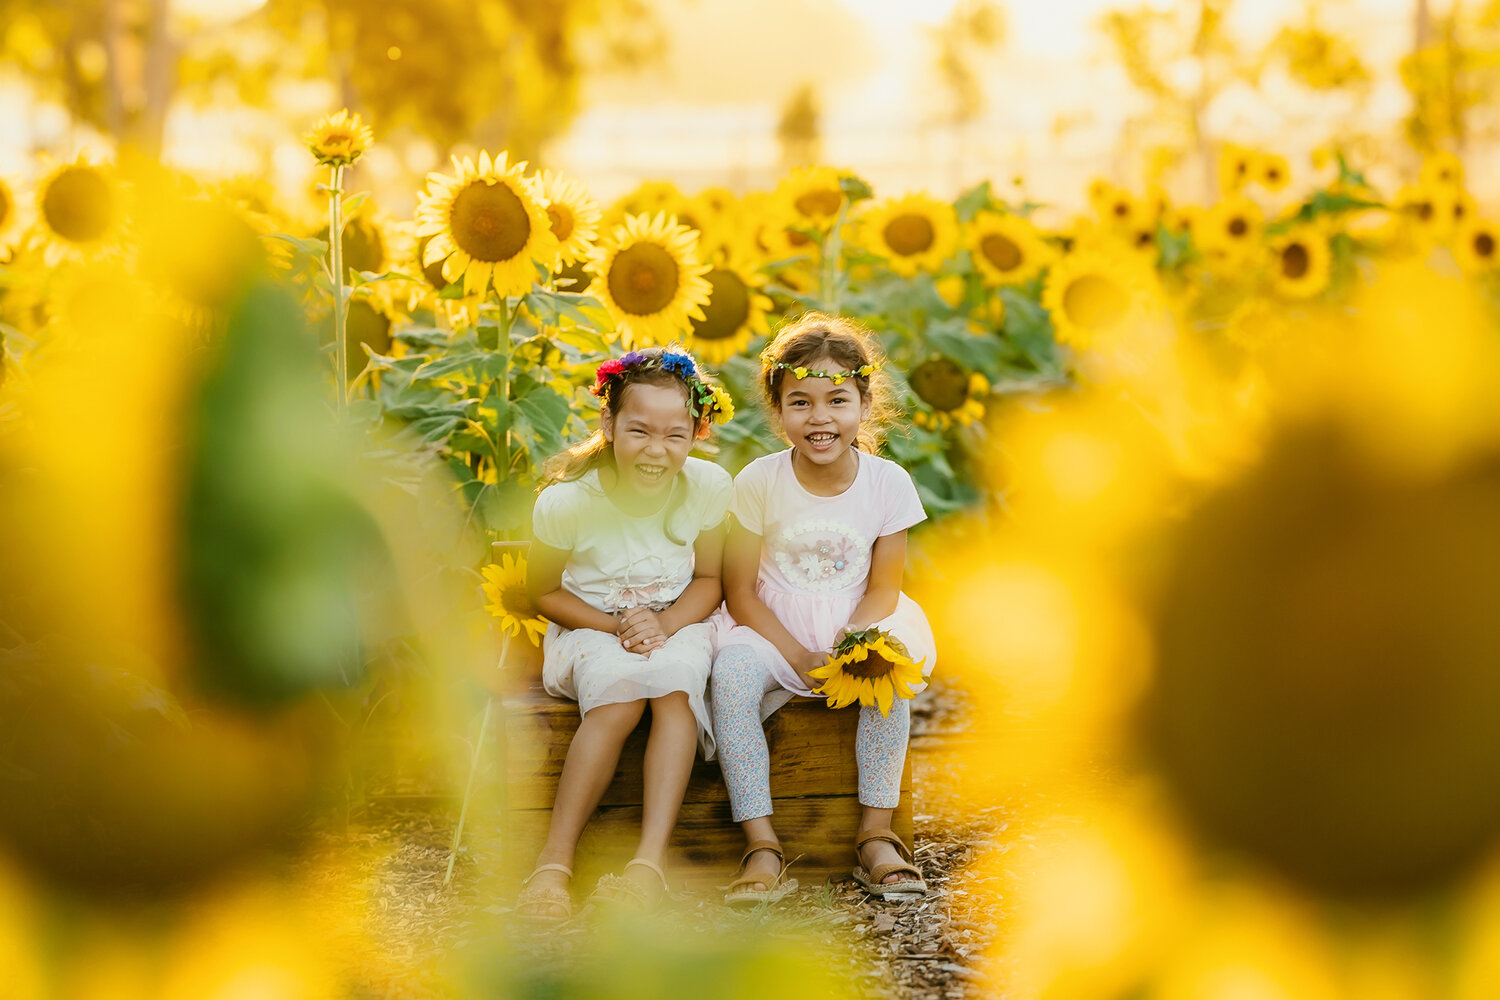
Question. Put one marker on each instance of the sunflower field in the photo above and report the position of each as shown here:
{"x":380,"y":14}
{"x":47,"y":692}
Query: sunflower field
{"x":1214,"y":492}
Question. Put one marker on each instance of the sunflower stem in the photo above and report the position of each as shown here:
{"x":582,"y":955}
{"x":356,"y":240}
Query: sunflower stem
{"x":502,"y":396}
{"x":336,"y":252}
{"x":484,"y":725}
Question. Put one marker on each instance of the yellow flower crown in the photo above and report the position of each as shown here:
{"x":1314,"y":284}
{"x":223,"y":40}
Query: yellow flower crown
{"x":799,"y":372}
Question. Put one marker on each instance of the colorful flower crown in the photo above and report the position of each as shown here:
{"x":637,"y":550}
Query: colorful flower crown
{"x":863,"y":371}
{"x":703,"y":397}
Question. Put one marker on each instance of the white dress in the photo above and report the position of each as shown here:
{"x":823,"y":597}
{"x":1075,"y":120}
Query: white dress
{"x":815,"y":560}
{"x":617,"y":561}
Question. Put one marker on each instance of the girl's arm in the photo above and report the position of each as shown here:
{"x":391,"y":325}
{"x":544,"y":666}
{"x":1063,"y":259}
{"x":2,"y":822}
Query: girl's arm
{"x":699,"y":598}
{"x":887,"y":563}
{"x":741,"y":567}
{"x":544,"y":572}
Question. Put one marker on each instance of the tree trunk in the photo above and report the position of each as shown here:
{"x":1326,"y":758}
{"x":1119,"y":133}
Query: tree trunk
{"x":161,"y":58}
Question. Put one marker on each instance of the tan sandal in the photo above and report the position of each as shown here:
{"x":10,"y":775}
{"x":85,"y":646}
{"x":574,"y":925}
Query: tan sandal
{"x":617,"y":890}
{"x":780,"y":887}
{"x":532,"y":897}
{"x":874,"y":882}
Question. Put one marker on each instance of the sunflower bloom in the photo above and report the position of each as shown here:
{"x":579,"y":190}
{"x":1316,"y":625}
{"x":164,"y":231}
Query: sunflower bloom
{"x":573,"y":214}
{"x":650,"y":279}
{"x":1235,"y":166}
{"x":1229,"y":232}
{"x":915,"y":233}
{"x":1090,"y":297}
{"x":1271,"y":171}
{"x":81,"y":209}
{"x":1476,"y":246}
{"x":735,"y":312}
{"x":1007,"y":249}
{"x":505,"y":589}
{"x":487,"y":225}
{"x":951,"y":394}
{"x":871,"y":667}
{"x":1301,"y":264}
{"x":339,"y":139}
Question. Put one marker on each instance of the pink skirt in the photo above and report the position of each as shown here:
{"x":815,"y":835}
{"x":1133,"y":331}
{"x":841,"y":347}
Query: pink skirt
{"x":814,"y":620}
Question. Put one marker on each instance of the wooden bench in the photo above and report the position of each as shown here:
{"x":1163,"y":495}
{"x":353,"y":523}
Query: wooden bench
{"x":814,"y":786}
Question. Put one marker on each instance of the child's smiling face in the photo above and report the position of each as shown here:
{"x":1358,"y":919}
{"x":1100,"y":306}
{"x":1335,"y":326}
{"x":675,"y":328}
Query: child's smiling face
{"x":651,"y":435}
{"x":821,"y":419}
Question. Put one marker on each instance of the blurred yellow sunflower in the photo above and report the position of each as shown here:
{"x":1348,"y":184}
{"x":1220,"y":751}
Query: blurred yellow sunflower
{"x":871,"y":667}
{"x":813,"y":194}
{"x":723,"y":228}
{"x":1090,"y":295}
{"x":649,"y":198}
{"x":1230,"y":231}
{"x":650,"y":279}
{"x":82,"y":210}
{"x":950,"y":393}
{"x":1007,"y":249}
{"x":914,"y":233}
{"x":339,"y":139}
{"x":735,"y":312}
{"x":1476,"y":246}
{"x":505,"y":589}
{"x":1271,"y":171}
{"x":363,"y":242}
{"x":573,"y":214}
{"x":1443,"y":169}
{"x":1119,"y":210}
{"x":1301,"y":263}
{"x":486,"y":225}
{"x":1235,"y":166}
{"x":1427,"y":211}
{"x":7,"y":209}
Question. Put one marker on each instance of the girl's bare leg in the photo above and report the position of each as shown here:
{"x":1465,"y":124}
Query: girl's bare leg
{"x":669,"y":763}
{"x":587,"y":772}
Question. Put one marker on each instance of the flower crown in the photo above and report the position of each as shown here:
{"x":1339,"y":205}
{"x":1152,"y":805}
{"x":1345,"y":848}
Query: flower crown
{"x":703,"y":397}
{"x":800,"y":372}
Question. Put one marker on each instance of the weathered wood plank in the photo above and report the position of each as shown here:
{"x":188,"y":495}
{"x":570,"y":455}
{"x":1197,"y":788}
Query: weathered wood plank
{"x":707,"y":843}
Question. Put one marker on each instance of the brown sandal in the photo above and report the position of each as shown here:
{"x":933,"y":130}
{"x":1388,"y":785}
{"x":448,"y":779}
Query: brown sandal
{"x":617,"y":890}
{"x":873,"y":882}
{"x":532,"y":897}
{"x":779,"y":888}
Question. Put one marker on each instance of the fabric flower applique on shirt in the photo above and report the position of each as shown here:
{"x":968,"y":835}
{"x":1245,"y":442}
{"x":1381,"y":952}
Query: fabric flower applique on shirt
{"x":820,"y":554}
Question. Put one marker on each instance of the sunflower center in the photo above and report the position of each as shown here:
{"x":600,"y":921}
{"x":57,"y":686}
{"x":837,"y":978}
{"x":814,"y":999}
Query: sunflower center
{"x":4,"y":206}
{"x":1094,"y":302}
{"x":364,"y":248}
{"x":941,"y":383}
{"x":796,"y":239}
{"x":561,"y":220}
{"x":574,"y":277}
{"x":432,"y":272}
{"x":1484,"y":245}
{"x":728,"y":306}
{"x":78,"y":204}
{"x":872,"y":666}
{"x":1121,"y":209}
{"x":825,"y":201}
{"x":337,"y":140}
{"x":643,"y":279}
{"x":489,"y":222}
{"x":1238,"y":227}
{"x":909,"y":234}
{"x":1001,"y":251}
{"x":514,"y":600}
{"x":1425,"y":211}
{"x":1295,"y":261}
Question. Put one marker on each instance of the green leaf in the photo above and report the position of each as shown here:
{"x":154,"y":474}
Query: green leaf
{"x":972,"y":202}
{"x":354,"y":203}
{"x":855,"y":189}
{"x":452,"y":290}
{"x":538,"y":415}
{"x":449,"y":364}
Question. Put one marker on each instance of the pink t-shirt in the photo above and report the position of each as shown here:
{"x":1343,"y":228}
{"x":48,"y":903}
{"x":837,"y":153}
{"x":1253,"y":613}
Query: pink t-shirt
{"x":821,"y":545}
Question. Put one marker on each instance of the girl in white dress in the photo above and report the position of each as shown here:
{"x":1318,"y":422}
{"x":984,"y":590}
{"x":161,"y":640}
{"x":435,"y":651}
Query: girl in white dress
{"x":626,"y":562}
{"x":816,"y":548}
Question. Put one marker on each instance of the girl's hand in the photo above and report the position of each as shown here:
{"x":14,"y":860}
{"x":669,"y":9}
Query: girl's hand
{"x":641,"y":631}
{"x":810,"y":660}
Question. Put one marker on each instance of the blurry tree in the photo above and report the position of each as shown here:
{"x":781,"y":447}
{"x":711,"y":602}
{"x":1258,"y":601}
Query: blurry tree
{"x":1453,"y":75}
{"x":496,"y":72}
{"x":799,"y":130}
{"x":973,"y":28}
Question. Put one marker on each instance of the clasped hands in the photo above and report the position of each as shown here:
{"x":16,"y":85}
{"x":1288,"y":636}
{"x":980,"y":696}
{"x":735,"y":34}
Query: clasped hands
{"x":640,"y":630}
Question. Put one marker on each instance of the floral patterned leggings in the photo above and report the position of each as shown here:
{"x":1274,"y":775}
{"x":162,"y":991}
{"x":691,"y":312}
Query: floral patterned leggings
{"x":740,"y":679}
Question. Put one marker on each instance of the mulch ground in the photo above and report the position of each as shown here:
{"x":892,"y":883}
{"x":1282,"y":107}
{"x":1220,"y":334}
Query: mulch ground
{"x":390,"y":864}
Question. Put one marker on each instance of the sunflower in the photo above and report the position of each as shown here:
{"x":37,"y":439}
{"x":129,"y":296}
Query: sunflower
{"x":338,"y":139}
{"x":1443,"y":169}
{"x":650,"y":279}
{"x":914,"y":233}
{"x":1300,"y":263}
{"x":505,"y":587}
{"x":363,"y":243}
{"x":487,"y":225}
{"x":1427,"y":210}
{"x":1235,"y":165}
{"x":1119,"y":210}
{"x":7,"y":209}
{"x":813,"y":194}
{"x":1476,"y":246}
{"x":1271,"y":171}
{"x":872,"y":667}
{"x":574,"y":215}
{"x":649,"y":198}
{"x":1007,"y":249}
{"x":1091,"y":295}
{"x":949,"y":392}
{"x":736,"y":311}
{"x":82,"y":210}
{"x":1229,"y":232}
{"x":721,"y":222}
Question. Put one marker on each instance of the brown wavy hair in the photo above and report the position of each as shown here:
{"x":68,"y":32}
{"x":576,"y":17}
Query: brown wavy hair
{"x":594,"y":452}
{"x":848,"y":345}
